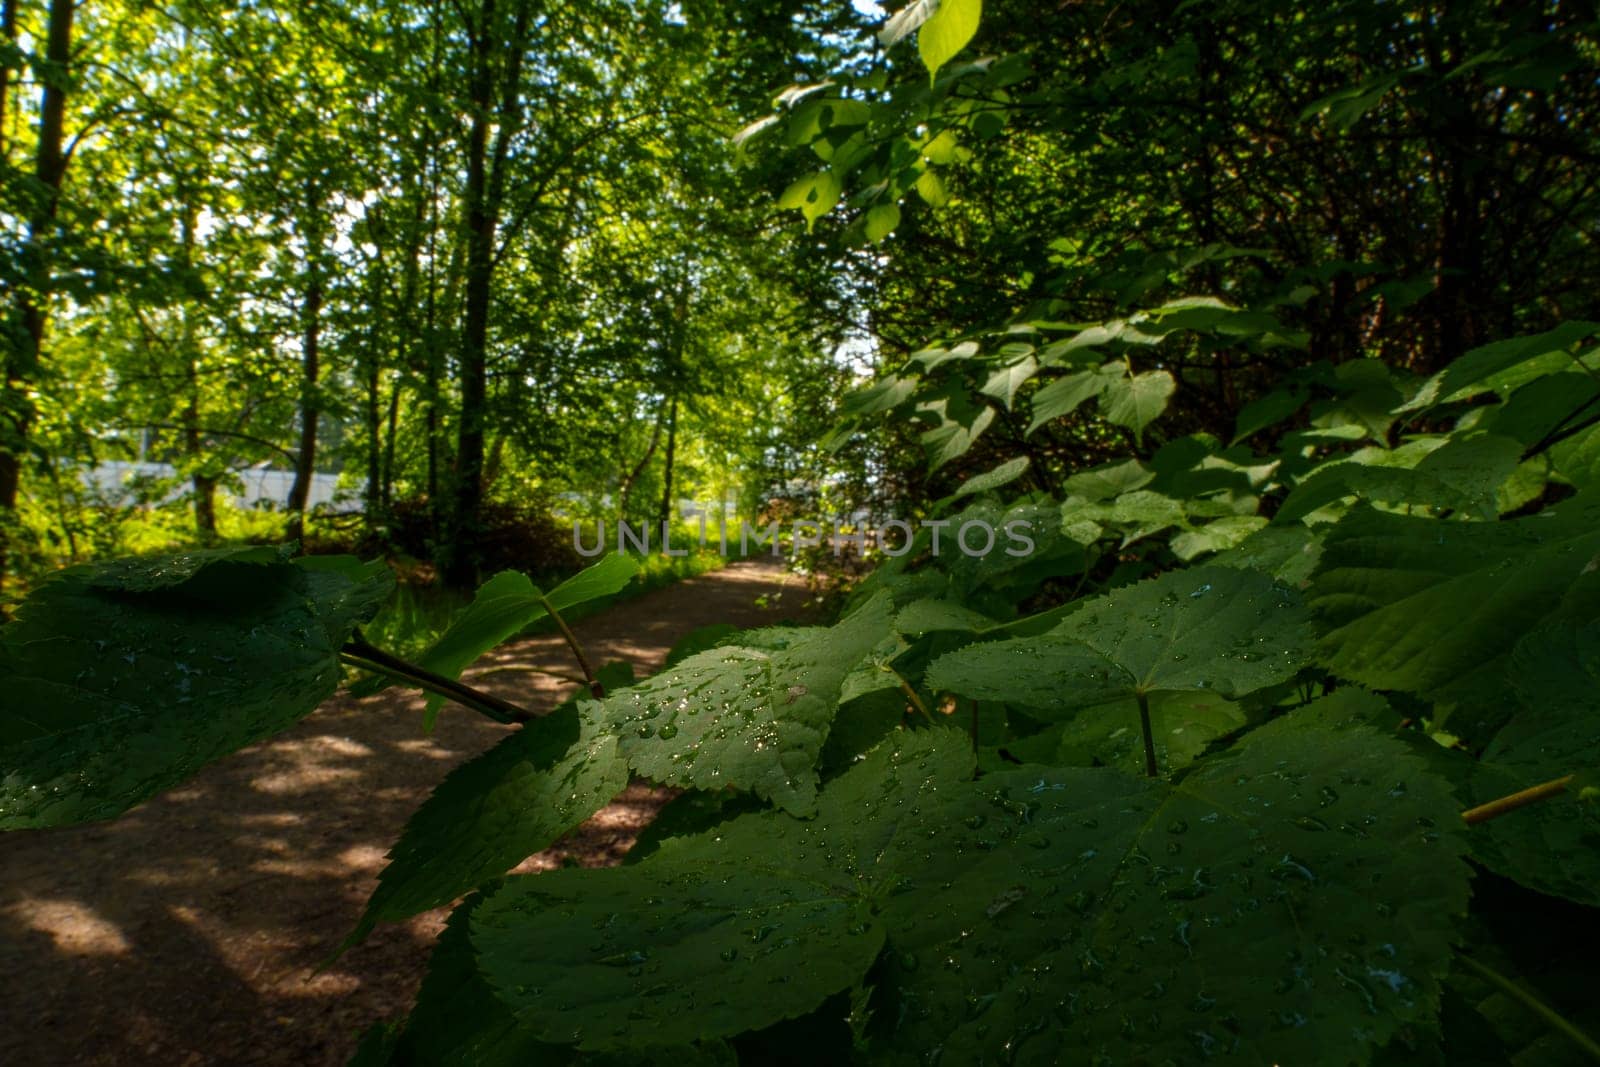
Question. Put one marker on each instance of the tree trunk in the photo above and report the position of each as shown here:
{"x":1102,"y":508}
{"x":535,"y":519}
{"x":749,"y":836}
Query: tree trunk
{"x":485,"y":188}
{"x":305,"y":460}
{"x":204,"y":485}
{"x":667,"y":509}
{"x":27,"y":321}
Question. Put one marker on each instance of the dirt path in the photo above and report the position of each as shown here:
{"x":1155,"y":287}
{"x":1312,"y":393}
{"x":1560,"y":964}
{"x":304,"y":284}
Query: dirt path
{"x":187,"y":931}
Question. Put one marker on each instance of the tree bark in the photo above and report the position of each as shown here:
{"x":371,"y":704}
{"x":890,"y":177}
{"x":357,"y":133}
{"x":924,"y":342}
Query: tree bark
{"x":305,"y":462}
{"x":26,"y":329}
{"x":484,"y":195}
{"x":672,"y":449}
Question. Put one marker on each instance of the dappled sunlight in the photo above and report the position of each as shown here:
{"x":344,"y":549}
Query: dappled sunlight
{"x":74,"y":927}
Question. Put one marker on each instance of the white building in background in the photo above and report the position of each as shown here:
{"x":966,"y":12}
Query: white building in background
{"x":116,"y":479}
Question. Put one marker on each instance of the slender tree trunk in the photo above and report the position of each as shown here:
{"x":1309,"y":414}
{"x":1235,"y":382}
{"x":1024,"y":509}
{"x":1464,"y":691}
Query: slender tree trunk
{"x":390,"y":433}
{"x":8,"y":31}
{"x":372,"y":409}
{"x":203,"y":485}
{"x":667,"y":509}
{"x":25,"y":330}
{"x":485,"y":188}
{"x":305,"y":461}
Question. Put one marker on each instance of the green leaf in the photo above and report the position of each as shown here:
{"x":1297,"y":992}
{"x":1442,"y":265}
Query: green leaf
{"x":1216,"y":536}
{"x":1296,"y":896}
{"x":491,"y":813}
{"x":879,"y":397}
{"x":767,"y":902}
{"x":124,"y":680}
{"x":1005,"y":474}
{"x":509,"y":603}
{"x":881,"y":221}
{"x":947,"y":31}
{"x":1065,"y":395}
{"x":458,"y":1022}
{"x":1230,"y":632}
{"x":1433,"y":608}
{"x":746,"y":717}
{"x":1108,"y":735}
{"x":143,"y":574}
{"x":1462,"y":475}
{"x":1023,"y":892}
{"x":931,"y":188}
{"x":1502,"y":366}
{"x":1110,"y":480}
{"x":1549,"y":846}
{"x":1269,"y":410}
{"x":503,"y":607}
{"x":813,"y":196}
{"x":1004,"y":381}
{"x":928,"y":616}
{"x":961,"y":423}
{"x":1138,"y":401}
{"x":606,"y":578}
{"x":1288,"y":553}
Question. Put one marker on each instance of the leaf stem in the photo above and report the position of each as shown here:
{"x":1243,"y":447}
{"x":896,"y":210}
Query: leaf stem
{"x":1531,"y":795}
{"x":1150,"y":768}
{"x":911,"y":694}
{"x":595,"y":688}
{"x":1552,"y":1018}
{"x":358,"y":652}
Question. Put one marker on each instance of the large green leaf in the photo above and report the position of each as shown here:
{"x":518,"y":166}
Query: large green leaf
{"x":1004,"y":474}
{"x":960,"y":422}
{"x":1064,"y":395}
{"x":491,"y":813}
{"x":458,"y":1022}
{"x":1004,"y":381}
{"x":1552,"y":846}
{"x":1207,"y":628}
{"x":1503,"y":365}
{"x":1434,"y":607}
{"x":947,"y":31}
{"x":1182,"y":725}
{"x":746,"y":717}
{"x":1462,"y":475}
{"x":1288,"y":553}
{"x":122,"y":680}
{"x":759,"y":921}
{"x":1294,"y":897}
{"x":813,"y":195}
{"x":1138,"y":401}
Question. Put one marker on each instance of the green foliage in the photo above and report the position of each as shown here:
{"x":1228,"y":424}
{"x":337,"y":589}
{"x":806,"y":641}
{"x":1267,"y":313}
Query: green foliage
{"x":124,"y":678}
{"x":1311,"y":515}
{"x":508,"y":604}
{"x":748,"y":718}
{"x":1227,"y":631}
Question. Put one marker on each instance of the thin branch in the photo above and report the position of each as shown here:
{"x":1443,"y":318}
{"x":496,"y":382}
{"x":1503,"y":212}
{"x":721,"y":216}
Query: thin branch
{"x":595,"y":688}
{"x":1532,"y":795}
{"x":1551,"y":1018}
{"x":359,"y":653}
